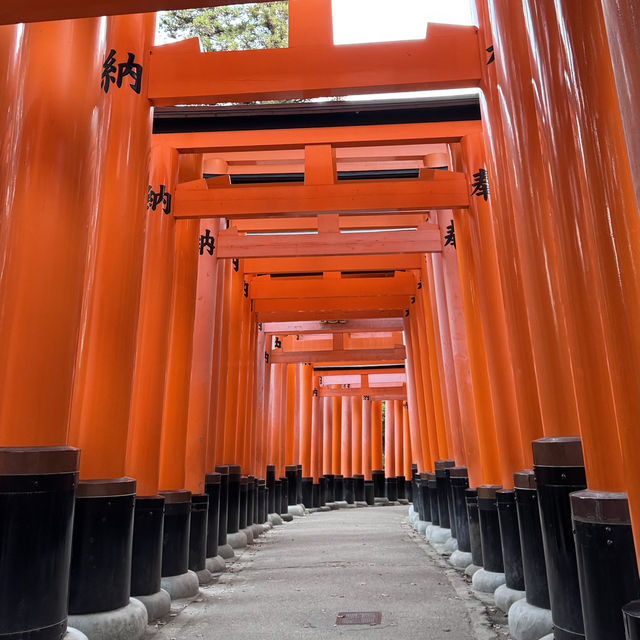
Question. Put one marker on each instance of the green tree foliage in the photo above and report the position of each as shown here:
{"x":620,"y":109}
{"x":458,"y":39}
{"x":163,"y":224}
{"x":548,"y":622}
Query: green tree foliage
{"x":232,"y":28}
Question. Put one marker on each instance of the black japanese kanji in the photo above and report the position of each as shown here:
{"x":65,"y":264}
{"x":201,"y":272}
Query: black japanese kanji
{"x":450,"y":236}
{"x":162,"y":197}
{"x":113,"y":73}
{"x":493,"y":55}
{"x":480,"y":184}
{"x":207,"y":241}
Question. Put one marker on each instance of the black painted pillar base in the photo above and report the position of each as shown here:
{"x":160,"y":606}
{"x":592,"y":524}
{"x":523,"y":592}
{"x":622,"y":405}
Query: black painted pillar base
{"x":175,"y":540}
{"x":277,"y":500}
{"x":100,"y":577}
{"x":358,"y":487}
{"x":443,"y":486}
{"x":533,"y":563}
{"x":223,"y":519}
{"x":378,"y":484}
{"x":631,"y":613}
{"x":510,"y":537}
{"x":490,"y":528}
{"x":271,"y":485}
{"x":473,"y":517}
{"x":459,"y":479}
{"x":369,"y":492}
{"x":146,"y":556}
{"x":408,"y":491}
{"x":233,"y":501}
{"x":284,"y":496}
{"x":424,"y":497}
{"x":432,"y":489}
{"x":559,"y":470}
{"x":251,"y":500}
{"x":263,"y":499}
{"x":212,"y":489}
{"x":607,"y":568}
{"x":291,"y":471}
{"x":391,"y":490}
{"x":244,"y":502}
{"x":299,"y":485}
{"x":315,"y":495}
{"x":400,"y":484}
{"x":322,"y":482}
{"x":307,"y":491}
{"x":37,"y":499}
{"x":349,"y":493}
{"x":414,"y":482}
{"x":339,"y":487}
{"x":330,"y":488}
{"x":198,"y":532}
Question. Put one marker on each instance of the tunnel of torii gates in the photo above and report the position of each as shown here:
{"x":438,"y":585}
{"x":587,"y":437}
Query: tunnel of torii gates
{"x":179,"y":343}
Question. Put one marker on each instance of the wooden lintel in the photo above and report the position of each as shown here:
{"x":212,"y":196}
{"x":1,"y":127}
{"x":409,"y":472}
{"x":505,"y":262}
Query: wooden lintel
{"x":347,"y":355}
{"x":266,"y":288}
{"x":436,"y":190}
{"x":372,"y":392}
{"x":423,"y":240}
{"x":346,"y":326}
{"x":319,"y":264}
{"x":448,"y":58}
{"x":350,"y":223}
{"x":363,"y":304}
{"x":296,"y":315}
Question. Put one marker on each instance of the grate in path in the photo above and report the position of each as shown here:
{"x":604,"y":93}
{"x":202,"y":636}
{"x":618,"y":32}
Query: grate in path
{"x":359,"y":617}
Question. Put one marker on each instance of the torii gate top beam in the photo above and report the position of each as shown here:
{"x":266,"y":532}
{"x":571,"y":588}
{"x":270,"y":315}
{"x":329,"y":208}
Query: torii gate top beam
{"x":312,"y":66}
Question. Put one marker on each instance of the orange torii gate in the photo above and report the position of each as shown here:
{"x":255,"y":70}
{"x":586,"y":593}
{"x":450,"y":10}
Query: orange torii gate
{"x":521,"y":321}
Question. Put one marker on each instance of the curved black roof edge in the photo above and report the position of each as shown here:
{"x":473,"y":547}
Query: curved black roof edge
{"x":251,"y":117}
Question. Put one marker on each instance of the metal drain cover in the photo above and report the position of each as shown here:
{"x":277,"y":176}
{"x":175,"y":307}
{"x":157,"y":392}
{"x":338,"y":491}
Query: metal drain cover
{"x":359,"y":617}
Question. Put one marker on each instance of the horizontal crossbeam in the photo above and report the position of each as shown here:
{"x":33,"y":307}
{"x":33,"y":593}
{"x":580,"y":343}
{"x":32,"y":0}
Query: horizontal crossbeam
{"x":448,"y":58}
{"x":348,"y":326}
{"x":319,"y":264}
{"x":435,"y":190}
{"x":374,"y":393}
{"x":345,"y":355}
{"x":424,"y":240}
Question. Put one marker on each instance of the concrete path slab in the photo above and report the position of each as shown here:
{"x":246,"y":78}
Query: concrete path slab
{"x":298,"y":577}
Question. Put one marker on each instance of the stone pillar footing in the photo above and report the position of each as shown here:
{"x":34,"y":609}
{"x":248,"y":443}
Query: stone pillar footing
{"x":237,"y":540}
{"x":447,"y":547}
{"x":472,"y":569}
{"x":185,"y":585}
{"x":204,"y":576}
{"x":128,"y":622}
{"x":461,"y":559}
{"x":487,"y":581}
{"x":157,"y":604}
{"x":437,"y":535}
{"x":74,"y":634}
{"x":505,"y":597}
{"x":226,"y":551}
{"x":216,"y":564}
{"x":275,"y":519}
{"x":296,"y":510}
{"x":527,"y":622}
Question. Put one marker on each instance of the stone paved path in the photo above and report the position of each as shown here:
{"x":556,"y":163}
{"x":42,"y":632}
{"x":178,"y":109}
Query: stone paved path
{"x":295,"y":581}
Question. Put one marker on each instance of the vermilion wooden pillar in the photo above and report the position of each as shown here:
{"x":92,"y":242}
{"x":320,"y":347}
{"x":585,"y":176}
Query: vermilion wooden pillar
{"x":406,"y":443}
{"x":376,"y":436}
{"x":202,"y":362}
{"x":327,"y":435}
{"x":487,"y":442}
{"x":604,"y":303}
{"x":336,"y":436}
{"x":181,"y":326}
{"x":346,"y":464}
{"x":48,"y":222}
{"x":366,"y":438}
{"x":514,"y":456}
{"x":356,"y":434}
{"x":415,"y":408}
{"x":306,"y":416}
{"x":213,"y":437}
{"x":399,"y":437}
{"x":317,"y":407}
{"x":231,"y":427}
{"x":389,"y":440}
{"x":145,"y":423}
{"x":290,"y":454}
